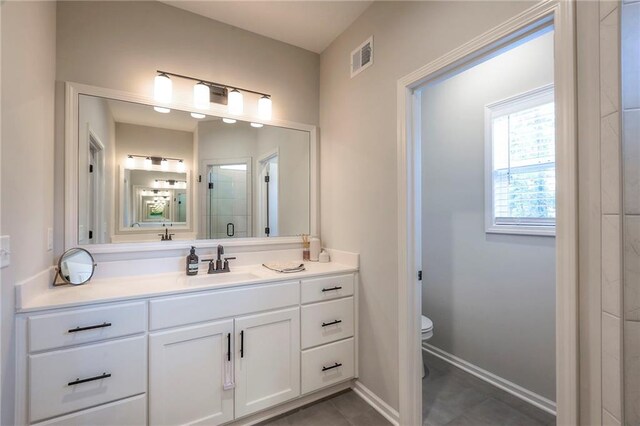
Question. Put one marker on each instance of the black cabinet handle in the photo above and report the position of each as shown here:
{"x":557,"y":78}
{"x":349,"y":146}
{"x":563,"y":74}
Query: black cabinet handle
{"x":336,"y":365}
{"x":326,"y":324}
{"x":242,"y":344}
{"x":229,"y":347}
{"x":90,"y":379}
{"x":91,"y":327}
{"x":331,"y":288}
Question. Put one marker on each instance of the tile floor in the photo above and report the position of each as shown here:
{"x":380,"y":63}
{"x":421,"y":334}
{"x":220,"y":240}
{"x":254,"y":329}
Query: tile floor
{"x":454,"y":397}
{"x":450,"y":397}
{"x":344,"y":409}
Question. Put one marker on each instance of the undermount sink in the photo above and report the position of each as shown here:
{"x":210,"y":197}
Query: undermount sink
{"x":221,"y":278}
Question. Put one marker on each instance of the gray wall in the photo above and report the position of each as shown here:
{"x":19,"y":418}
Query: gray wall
{"x":491,"y":297}
{"x":28,"y":77}
{"x":358,"y":152}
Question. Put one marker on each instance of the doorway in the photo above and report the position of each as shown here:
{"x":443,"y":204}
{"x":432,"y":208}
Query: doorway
{"x":268,"y":195}
{"x":488,"y":237}
{"x":410,"y":131}
{"x":96,"y":228}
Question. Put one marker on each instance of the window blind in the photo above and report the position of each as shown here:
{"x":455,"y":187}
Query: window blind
{"x":524,"y":167}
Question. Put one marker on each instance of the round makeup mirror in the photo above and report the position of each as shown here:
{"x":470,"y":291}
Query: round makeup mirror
{"x":76,"y":266}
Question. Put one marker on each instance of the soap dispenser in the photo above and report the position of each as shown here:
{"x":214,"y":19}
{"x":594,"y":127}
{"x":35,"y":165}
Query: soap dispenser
{"x":192,"y":262}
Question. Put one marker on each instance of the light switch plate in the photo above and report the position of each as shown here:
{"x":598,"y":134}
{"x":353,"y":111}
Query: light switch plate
{"x":5,"y":251}
{"x":50,"y":239}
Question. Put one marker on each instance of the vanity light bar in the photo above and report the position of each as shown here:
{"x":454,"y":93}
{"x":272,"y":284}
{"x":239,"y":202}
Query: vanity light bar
{"x":219,"y":93}
{"x":149,"y":160}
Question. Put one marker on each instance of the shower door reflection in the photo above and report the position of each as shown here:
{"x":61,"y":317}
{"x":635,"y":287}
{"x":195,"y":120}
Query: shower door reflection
{"x":229,"y":200}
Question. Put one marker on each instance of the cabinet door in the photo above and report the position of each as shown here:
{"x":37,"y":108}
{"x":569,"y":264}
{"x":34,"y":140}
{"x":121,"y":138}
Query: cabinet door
{"x":267,"y":360}
{"x":186,"y":375}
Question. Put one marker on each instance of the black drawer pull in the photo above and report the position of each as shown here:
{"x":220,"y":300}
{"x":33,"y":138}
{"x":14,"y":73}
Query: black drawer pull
{"x":331,"y":288}
{"x":242,"y":344}
{"x":326,"y":324}
{"x":90,"y":379}
{"x":91,"y":327}
{"x":336,"y":365}
{"x":229,"y":347}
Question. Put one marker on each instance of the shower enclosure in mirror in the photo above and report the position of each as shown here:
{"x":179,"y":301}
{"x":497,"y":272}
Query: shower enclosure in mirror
{"x":142,"y":173}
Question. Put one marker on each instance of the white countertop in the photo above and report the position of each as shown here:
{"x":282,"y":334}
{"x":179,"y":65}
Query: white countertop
{"x":113,"y":289}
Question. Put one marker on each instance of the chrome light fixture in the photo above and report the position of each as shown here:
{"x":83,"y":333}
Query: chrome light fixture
{"x":264,"y":107}
{"x":236,"y":106}
{"x":205,"y":92}
{"x":162,"y":91}
{"x":201,"y":99}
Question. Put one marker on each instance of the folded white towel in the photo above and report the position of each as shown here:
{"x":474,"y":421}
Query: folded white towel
{"x":285,"y":268}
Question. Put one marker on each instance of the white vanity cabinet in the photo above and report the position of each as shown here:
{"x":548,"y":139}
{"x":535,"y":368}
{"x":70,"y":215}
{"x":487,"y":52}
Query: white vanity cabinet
{"x":328,"y":329}
{"x":186,"y":375}
{"x":206,"y":357}
{"x":268,"y":361}
{"x":76,"y":359}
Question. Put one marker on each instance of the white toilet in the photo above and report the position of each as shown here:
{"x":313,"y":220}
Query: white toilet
{"x":427,"y":333}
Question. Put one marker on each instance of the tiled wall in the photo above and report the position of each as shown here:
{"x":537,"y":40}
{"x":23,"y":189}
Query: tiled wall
{"x":610,"y":175}
{"x":630,"y":42}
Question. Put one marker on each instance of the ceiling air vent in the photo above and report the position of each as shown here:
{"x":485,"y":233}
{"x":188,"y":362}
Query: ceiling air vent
{"x":362,"y":57}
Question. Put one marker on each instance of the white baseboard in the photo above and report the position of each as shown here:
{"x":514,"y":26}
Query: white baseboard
{"x":377,"y":403}
{"x":497,"y":381}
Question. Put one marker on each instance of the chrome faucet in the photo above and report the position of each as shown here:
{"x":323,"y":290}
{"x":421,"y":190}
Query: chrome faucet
{"x":166,"y":236}
{"x":217,"y":266}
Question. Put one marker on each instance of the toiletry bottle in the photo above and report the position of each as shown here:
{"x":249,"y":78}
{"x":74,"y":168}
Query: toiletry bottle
{"x":306,"y":254}
{"x":314,"y":249}
{"x":192,"y":262}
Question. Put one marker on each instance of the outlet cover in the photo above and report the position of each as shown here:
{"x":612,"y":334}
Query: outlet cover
{"x":5,"y":251}
{"x":50,"y":239}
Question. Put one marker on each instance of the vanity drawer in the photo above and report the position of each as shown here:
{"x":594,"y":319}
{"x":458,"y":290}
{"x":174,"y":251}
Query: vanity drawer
{"x":327,"y":365}
{"x":68,"y":328}
{"x":207,"y":306}
{"x":68,"y":380}
{"x":126,"y":412}
{"x":326,"y":288}
{"x":327,"y":322}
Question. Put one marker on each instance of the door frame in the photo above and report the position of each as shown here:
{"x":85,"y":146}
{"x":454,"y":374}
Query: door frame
{"x":95,"y":143}
{"x":561,"y":13}
{"x":260,"y":164}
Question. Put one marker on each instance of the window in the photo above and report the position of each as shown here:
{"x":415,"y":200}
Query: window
{"x":520,"y":160}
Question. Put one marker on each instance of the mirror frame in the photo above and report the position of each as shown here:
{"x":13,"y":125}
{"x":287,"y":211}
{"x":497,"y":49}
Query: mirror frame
{"x":72,"y":93}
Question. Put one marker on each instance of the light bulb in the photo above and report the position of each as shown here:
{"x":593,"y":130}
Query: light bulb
{"x":197,"y":115}
{"x":164,"y":164}
{"x":131,"y":162}
{"x":264,"y":108}
{"x":235,"y":102}
{"x":229,"y":120}
{"x":162,"y":110}
{"x":162,"y":91}
{"x":181,"y":167}
{"x":201,"y":95}
{"x":257,"y":125}
{"x":147,"y":163}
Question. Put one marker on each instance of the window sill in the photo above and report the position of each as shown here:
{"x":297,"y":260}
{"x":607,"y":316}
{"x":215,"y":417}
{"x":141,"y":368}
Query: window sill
{"x":541,"y":231}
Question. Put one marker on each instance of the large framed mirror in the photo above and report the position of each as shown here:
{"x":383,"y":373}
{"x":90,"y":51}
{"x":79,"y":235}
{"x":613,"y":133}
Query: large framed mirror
{"x":136,"y":175}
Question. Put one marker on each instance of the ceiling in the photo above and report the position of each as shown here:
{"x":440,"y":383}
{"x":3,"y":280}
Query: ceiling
{"x":311,"y":25}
